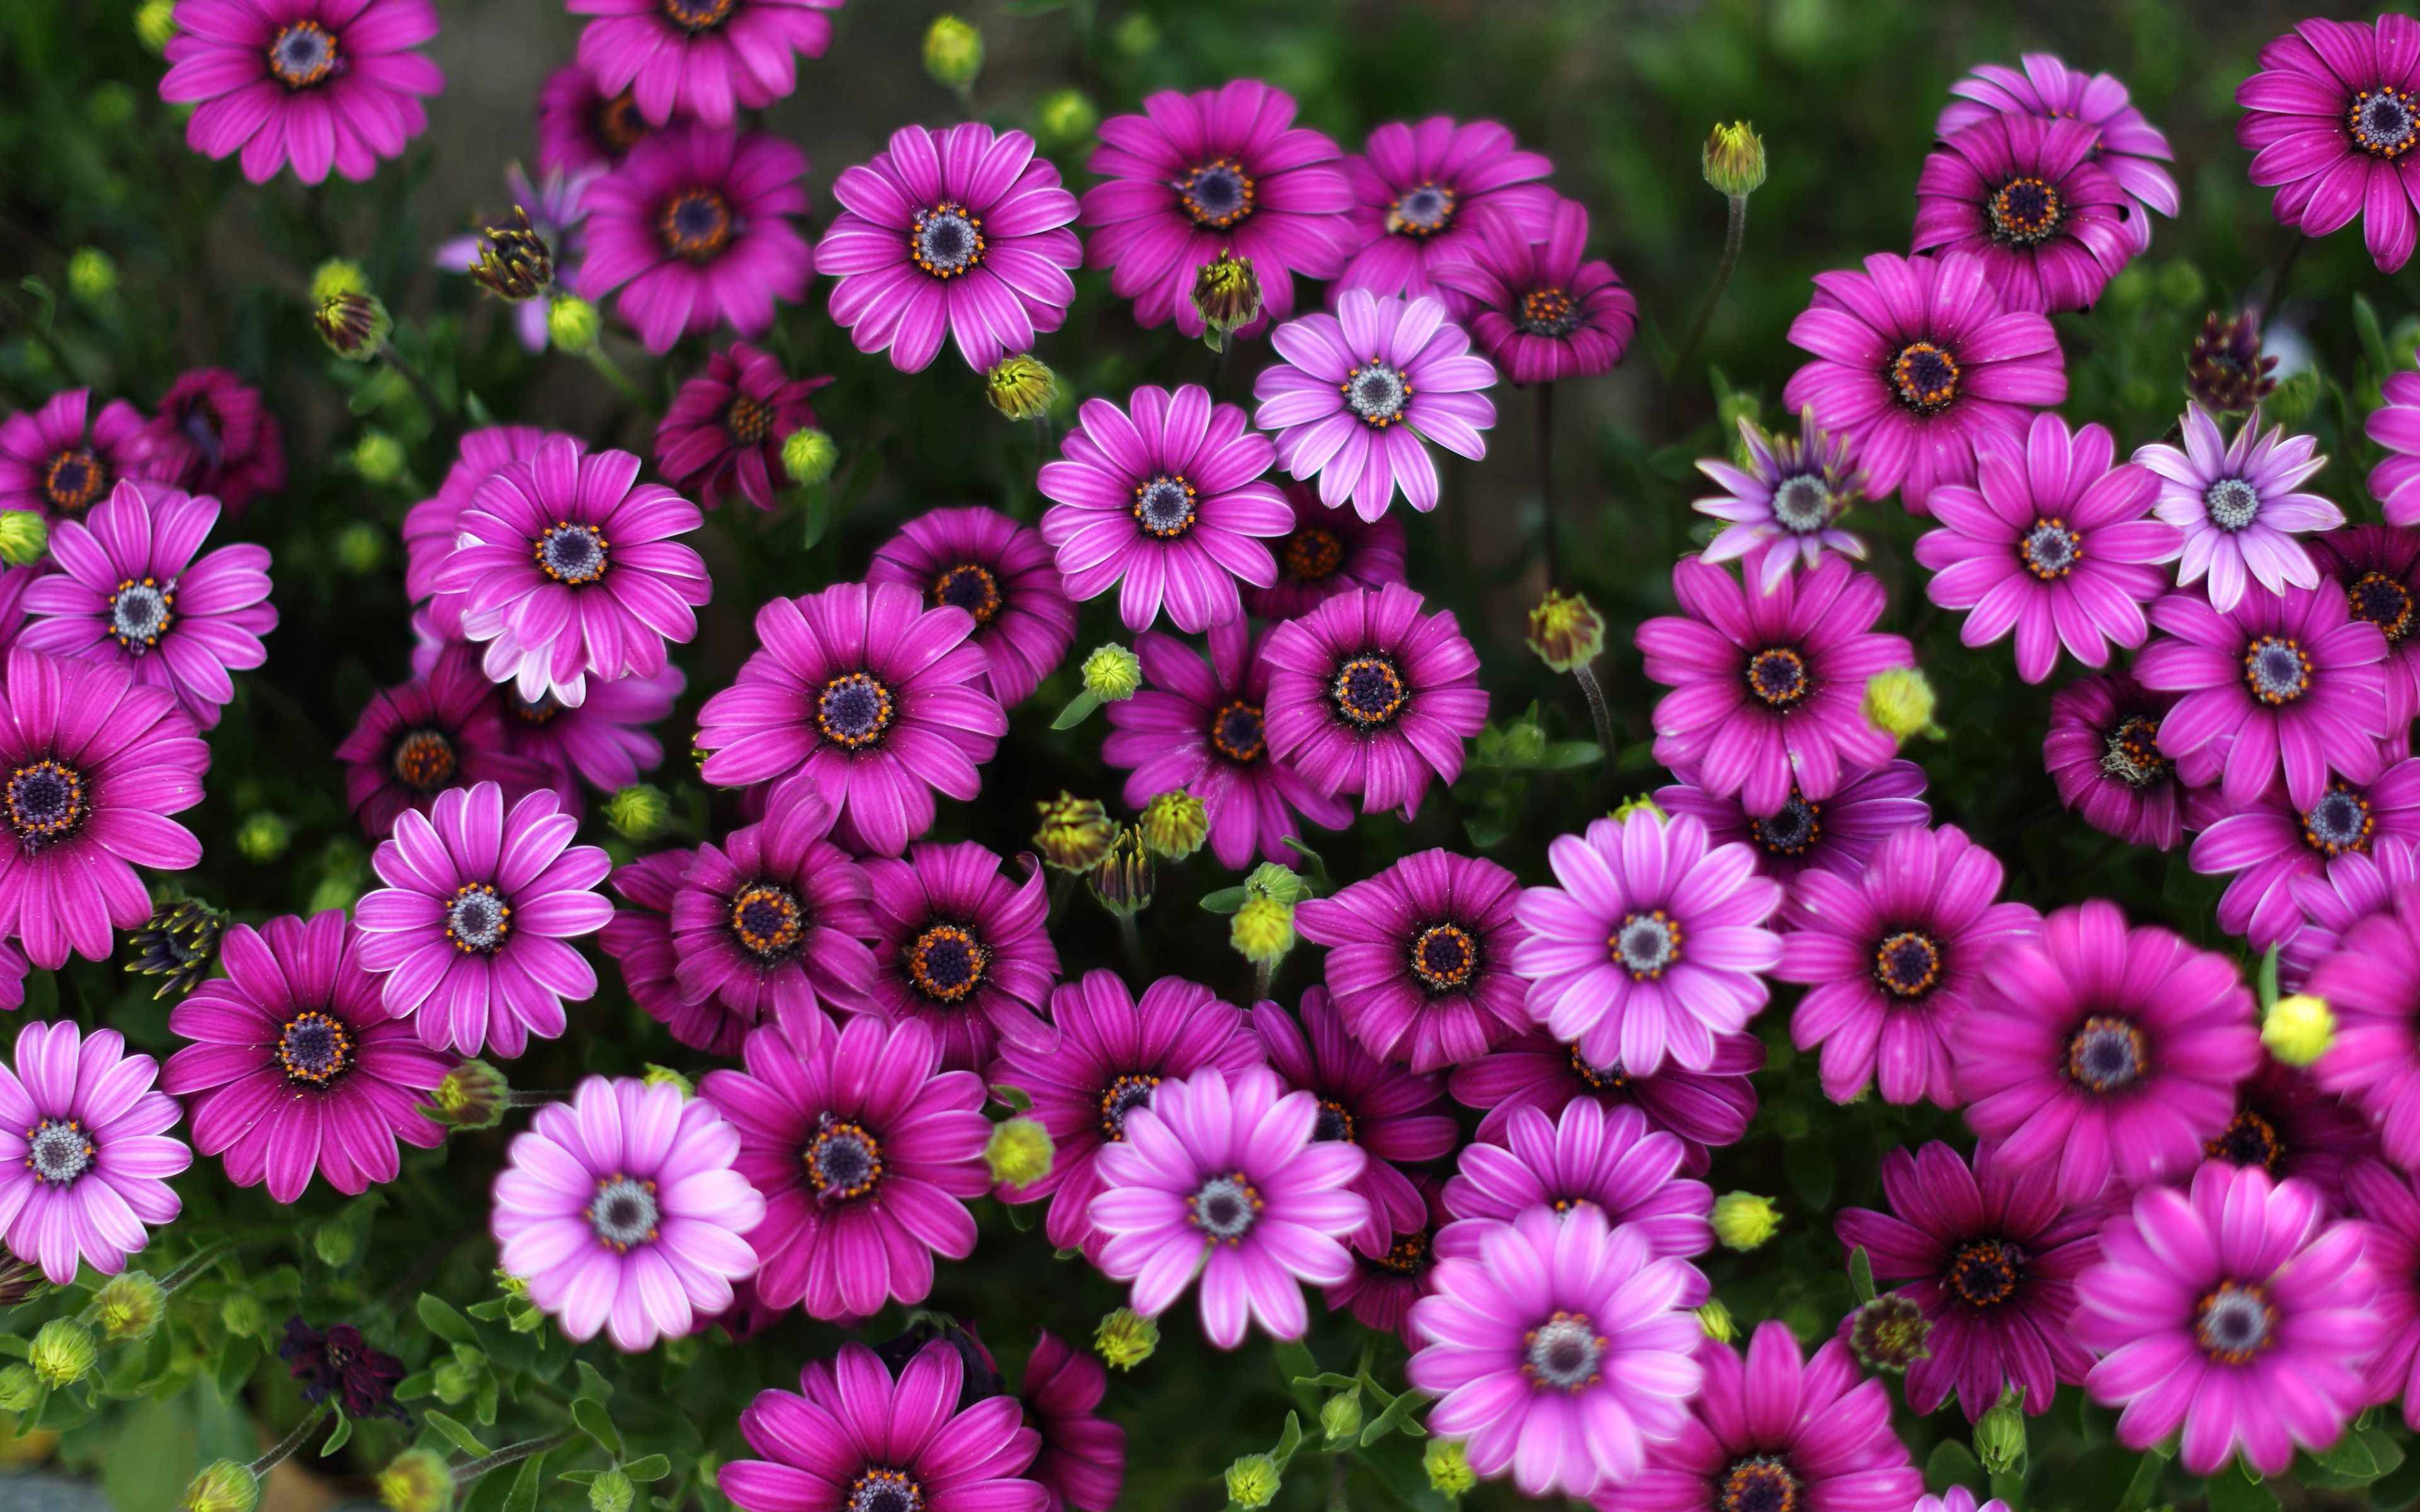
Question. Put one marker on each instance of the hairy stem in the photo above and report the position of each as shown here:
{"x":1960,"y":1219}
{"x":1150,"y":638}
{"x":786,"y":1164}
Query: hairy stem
{"x":1732,"y":236}
{"x":2276,"y":298}
{"x":510,"y":1454}
{"x":293,"y":1441}
{"x":1586,"y":676}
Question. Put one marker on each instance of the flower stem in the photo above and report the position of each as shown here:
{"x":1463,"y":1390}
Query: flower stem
{"x":520,"y":1099}
{"x":1130,"y":936}
{"x":1586,"y":676}
{"x":1261,"y":972}
{"x":1218,"y":361}
{"x":603,"y":361}
{"x":1044,"y":437}
{"x":1546,"y":479}
{"x":510,"y":1454}
{"x":1337,"y":1493}
{"x":1732,"y":236}
{"x":191,"y":1270}
{"x":1061,"y":885}
{"x":294,"y":1439}
{"x":420,"y":384}
{"x":2276,"y":298}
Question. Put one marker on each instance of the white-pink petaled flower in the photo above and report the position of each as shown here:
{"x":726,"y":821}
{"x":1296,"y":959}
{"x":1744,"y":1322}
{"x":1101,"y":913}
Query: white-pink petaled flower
{"x":85,"y":1157}
{"x":2240,"y":504}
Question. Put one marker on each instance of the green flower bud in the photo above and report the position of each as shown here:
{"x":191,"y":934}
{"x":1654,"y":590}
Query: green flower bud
{"x":360,"y":547}
{"x":19,"y":1388}
{"x":640,"y":812}
{"x":62,"y":1352}
{"x":1125,"y":880}
{"x":24,"y":537}
{"x":1076,"y":833}
{"x":263,"y":837}
{"x":1643,"y":803}
{"x":1277,"y":883}
{"x":336,"y":890}
{"x":808,"y":457}
{"x":1019,"y":1151}
{"x":1566,"y":631}
{"x":456,"y":1380}
{"x":224,"y":1486}
{"x":110,"y":106}
{"x":1125,"y":1338}
{"x":1733,"y":159}
{"x":1262,"y":931}
{"x":1253,"y":1481}
{"x":1021,"y":387}
{"x":128,"y":1306}
{"x":471,"y":1096}
{"x":21,"y":1281}
{"x":1112,"y":673}
{"x":155,"y":22}
{"x":1889,"y":1333}
{"x":1715,"y":1320}
{"x":1901,"y":700}
{"x":354,"y":326}
{"x":335,"y":1244}
{"x":1065,"y":118}
{"x":1742,"y":1220}
{"x":337,"y":275}
{"x":2292,"y":402}
{"x":416,"y":1480}
{"x":1448,"y":1467}
{"x":1136,"y":35}
{"x":243,"y":1316}
{"x":1226,"y":293}
{"x":92,"y":275}
{"x":2000,"y":1437}
{"x":610,"y":1491}
{"x":379,"y":457}
{"x":572,"y":324}
{"x":515,"y":263}
{"x":651,"y":1075}
{"x":1340,"y":1417}
{"x":1174,"y":825}
{"x":2299,"y":1028}
{"x":954,"y":52}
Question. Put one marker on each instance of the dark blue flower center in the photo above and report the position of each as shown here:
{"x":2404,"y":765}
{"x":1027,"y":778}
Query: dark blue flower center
{"x":1908,"y":964}
{"x":2383,"y":602}
{"x":478,"y":920}
{"x":1445,"y":957}
{"x":1777,"y":675}
{"x":1224,"y":1209}
{"x":1791,"y":830}
{"x":1332,"y":1124}
{"x":1762,"y":1483}
{"x":1312,"y":555}
{"x":1217,"y":194}
{"x":573,"y":555}
{"x":769,"y":922}
{"x":303,"y":53}
{"x":1644,"y":944}
{"x":2277,"y":670}
{"x":694,"y":16}
{"x":2234,"y":1322}
{"x":58,"y":1150}
{"x":947,"y":240}
{"x":2383,"y":121}
{"x":2106,"y":1054}
{"x":1804,"y":503}
{"x":1121,"y":1097}
{"x":424,"y":760}
{"x":624,"y":1211}
{"x":1236,"y":733}
{"x":968,"y":587}
{"x":2339,"y":823}
{"x":2250,"y":1139}
{"x":46,"y":803}
{"x":141,"y":612}
{"x":1377,"y":390}
{"x":844,"y":1161}
{"x":1421,"y":211}
{"x":1562,"y":1353}
{"x":2232,"y":504}
{"x":695,"y":225}
{"x":1923,"y":378}
{"x":946,"y":963}
{"x":853,"y":710}
{"x":74,"y":479}
{"x":315,"y":1048}
{"x":885,"y":1490}
{"x":1985,"y":1271}
{"x":2023,"y":212}
{"x":1164,"y":505}
{"x":1368,"y":691}
{"x":1548,"y":311}
{"x":2050,"y":550}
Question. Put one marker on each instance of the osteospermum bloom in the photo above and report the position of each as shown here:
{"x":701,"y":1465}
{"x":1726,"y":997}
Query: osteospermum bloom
{"x":1422,"y":193}
{"x":1991,"y":1259}
{"x":2128,"y":147}
{"x":580,"y":127}
{"x":1419,"y":958}
{"x":2379,"y":568}
{"x":1380,"y":1291}
{"x":2395,"y":425}
{"x":868,"y":696}
{"x":1611,"y":1159}
{"x":959,"y":233}
{"x":1785,"y":499}
{"x":2104,"y":755}
{"x":1538,"y":310}
{"x":1703,"y":1107}
{"x":2330,"y":119}
{"x":1369,"y":696}
{"x":2241,"y":503}
{"x":640,"y":940}
{"x":438,"y":733}
{"x":2287,"y":681}
{"x":2350,"y":888}
{"x":2269,"y":844}
{"x":134,"y":588}
{"x":1329,"y":553}
{"x":1223,"y":170}
{"x":432,"y":526}
{"x":1836,"y":834}
{"x":770,"y":923}
{"x":603,"y":742}
{"x":214,"y":436}
{"x":1915,"y":358}
{"x":1164,"y":499}
{"x":621,"y":1212}
{"x":694,"y":228}
{"x":56,"y":464}
{"x":701,"y":57}
{"x":2385,"y":1202}
{"x":1891,"y":961}
{"x":724,"y":430}
{"x":2235,"y":1312}
{"x":1083,"y":1461}
{"x":2099,"y":1050}
{"x":2290,"y":1127}
{"x":1363,"y":391}
{"x":1651,"y":945}
{"x":962,"y":949}
{"x":2027,"y":195}
{"x":317,"y":83}
{"x":1559,"y":1352}
{"x":470,"y":928}
{"x":298,"y":1066}
{"x":85,"y":1155}
{"x":1001,"y":572}
{"x":2372,"y":983}
{"x":1769,"y":688}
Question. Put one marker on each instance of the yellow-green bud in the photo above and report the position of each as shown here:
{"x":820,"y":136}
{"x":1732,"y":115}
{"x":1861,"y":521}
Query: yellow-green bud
{"x":155,"y":22}
{"x":1125,"y":1338}
{"x":1734,"y":160}
{"x":471,"y":1096}
{"x":1112,"y":673}
{"x":1064,"y":118}
{"x":335,"y":1244}
{"x":1276,"y":881}
{"x":455,"y":1379}
{"x":1901,"y":700}
{"x":1644,"y":803}
{"x":1125,"y":878}
{"x":224,"y":1486}
{"x":1448,"y":1467}
{"x":360,"y":547}
{"x":1019,"y":1151}
{"x":1340,"y":1417}
{"x":378,"y":457}
{"x":62,"y":1352}
{"x":1566,"y":631}
{"x":954,"y":52}
{"x":1226,"y":293}
{"x":337,"y":275}
{"x":19,"y":1388}
{"x":263,"y":837}
{"x":1742,"y":1220}
{"x":2299,"y":1028}
{"x":243,"y":1316}
{"x":128,"y":1306}
{"x":354,"y":326}
{"x":2000,"y":1436}
{"x":1253,"y":1481}
{"x":416,"y":1480}
{"x":808,"y":457}
{"x":639,"y":812}
{"x":2294,"y":397}
{"x":1136,"y":35}
{"x":1715,"y":1319}
{"x":1021,"y":387}
{"x":1262,"y":931}
{"x":24,"y":537}
{"x":572,"y":324}
{"x":610,"y":1491}
{"x":1075,"y":833}
{"x":652,"y":1074}
{"x":92,"y":275}
{"x":1174,"y":825}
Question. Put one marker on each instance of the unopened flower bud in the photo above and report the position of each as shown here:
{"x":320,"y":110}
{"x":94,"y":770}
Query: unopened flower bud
{"x":1019,"y":1151}
{"x":1112,"y":673}
{"x":1021,"y":387}
{"x":337,"y":275}
{"x":651,"y":1075}
{"x":360,"y":546}
{"x":155,"y":24}
{"x":92,"y":275}
{"x":453,"y":1379}
{"x":1065,"y":117}
{"x":1734,"y":160}
{"x":1448,"y":1467}
{"x":1226,"y":293}
{"x":471,"y":1096}
{"x":224,"y":1486}
{"x":1075,"y":833}
{"x":1890,"y":1332}
{"x":335,"y":1244}
{"x":808,"y":457}
{"x":1742,"y":1220}
{"x":2292,"y":402}
{"x":2225,"y":370}
{"x":572,"y":324}
{"x":2000,"y":1436}
{"x":263,"y":837}
{"x":2299,"y":1029}
{"x":1340,"y":1417}
{"x":243,"y":1316}
{"x":1275,"y":882}
{"x":354,"y":326}
{"x":639,"y":812}
{"x":128,"y":1306}
{"x":62,"y":1351}
{"x":21,"y":1281}
{"x":1253,"y":1481}
{"x":378,"y":457}
{"x":1125,"y":878}
{"x":1174,"y":825}
{"x":1262,"y":931}
{"x":1714,"y":1321}
{"x":610,"y":1491}
{"x":1566,"y":631}
{"x":954,"y":52}
{"x":24,"y":537}
{"x":19,"y":1388}
{"x":1644,"y":803}
{"x":416,"y":1480}
{"x":515,"y":262}
{"x":1900,"y":699}
{"x":1125,"y":1338}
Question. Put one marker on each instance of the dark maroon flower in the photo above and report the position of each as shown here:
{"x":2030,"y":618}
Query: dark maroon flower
{"x":428,"y":736}
{"x":214,"y":436}
{"x":1380,"y":1291}
{"x":340,"y":1363}
{"x":724,"y":431}
{"x":1082,"y":1462}
{"x":2285,"y":1125}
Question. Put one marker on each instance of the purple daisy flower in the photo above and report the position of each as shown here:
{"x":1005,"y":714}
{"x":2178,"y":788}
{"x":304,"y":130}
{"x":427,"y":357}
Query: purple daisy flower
{"x":2240,"y":504}
{"x":2027,"y":194}
{"x":1329,"y":552}
{"x":2292,"y":1129}
{"x":1991,"y":1259}
{"x":694,"y":228}
{"x":2379,"y":568}
{"x":85,"y":1157}
{"x":1422,"y":193}
{"x":2128,"y":147}
{"x":2349,"y":889}
{"x":865,"y":1151}
{"x":214,"y":436}
{"x":1891,"y":961}
{"x":2387,"y":1203}
{"x":1769,"y":688}
{"x":1368,"y":695}
{"x":1538,"y":309}
{"x":2328,"y":119}
{"x":640,"y":940}
{"x":433,"y":526}
{"x":871,"y":698}
{"x":1362,"y":393}
{"x":773,"y":922}
{"x":318,"y":84}
{"x":1382,"y":1288}
{"x":1419,"y":958}
{"x":133,"y":591}
{"x":726,"y":427}
{"x":962,"y":949}
{"x":299,"y":1065}
{"x":557,"y":211}
{"x":1915,"y":359}
{"x":1651,"y":947}
{"x":1203,"y":730}
{"x":1167,"y":496}
{"x":1703,"y":1107}
{"x":621,"y":1211}
{"x":2288,"y":681}
{"x":2102,"y":1050}
{"x":2267,"y":845}
{"x":1083,"y":1461}
{"x":2236,"y":1313}
{"x":1223,"y":170}
{"x":1785,"y":499}
{"x":1226,"y":1177}
{"x":1610,"y":1159}
{"x":701,"y":57}
{"x":53,"y":463}
{"x":1112,"y":1053}
{"x":438,"y":733}
{"x":2053,"y":541}
{"x":1834,"y":834}
{"x":2104,"y":755}
{"x":603,"y":742}
{"x":1559,"y":1352}
{"x":471,"y":925}
{"x":96,"y":764}
{"x":2395,"y":425}
{"x":2372,"y":982}
{"x":1001,"y":572}
{"x":580,"y":127}
{"x":959,"y":233}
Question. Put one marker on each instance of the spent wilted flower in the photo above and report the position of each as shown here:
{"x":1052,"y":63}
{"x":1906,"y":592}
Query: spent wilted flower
{"x":1565,"y":631}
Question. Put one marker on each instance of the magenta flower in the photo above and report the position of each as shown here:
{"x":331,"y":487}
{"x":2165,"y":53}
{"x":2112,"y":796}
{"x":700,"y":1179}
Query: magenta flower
{"x":2328,"y":119}
{"x":2349,"y":889}
{"x":1382,"y":1288}
{"x":2053,"y":541}
{"x":470,"y":926}
{"x":1991,"y":1259}
{"x":1112,"y":1053}
{"x":1835,"y":835}
{"x":2102,"y":1050}
{"x":1083,"y":1461}
{"x":1419,"y":958}
{"x":131,"y":592}
{"x":1703,"y":1107}
{"x":318,"y":84}
{"x":640,"y":940}
{"x":2289,"y":681}
{"x":2104,"y":755}
{"x":2395,"y":425}
{"x":961,"y":232}
{"x":962,"y":949}
{"x":2385,"y":1202}
{"x":621,"y":1211}
{"x":603,"y":742}
{"x":1651,"y":947}
{"x":214,"y":436}
{"x":2289,"y":1127}
{"x":1769,"y":688}
{"x":432,"y":526}
{"x":435,"y":735}
{"x":298,"y":1065}
{"x":1785,"y":500}
{"x":858,"y":1436}
{"x":997,"y":570}
{"x":1164,"y":495}
{"x":85,"y":1155}
{"x":96,"y":764}
{"x":2379,"y":568}
{"x":700,"y":57}
{"x":1369,"y":696}
{"x":1329,"y":552}
{"x":865,"y":1151}
{"x":1610,"y":1159}
{"x":557,"y":210}
{"x":1560,"y":1353}
{"x":1362,"y":393}
{"x":2235,"y":1312}
{"x":52,"y":463}
{"x":580,"y":127}
{"x":1421,"y":196}
{"x":1914,"y":359}
{"x":2240,"y":504}
{"x":1226,"y":1178}
{"x":724,"y":430}
{"x":2372,"y":982}
{"x":1891,"y":959}
{"x":1538,"y":310}
{"x":2026,"y":195}
{"x":694,"y":228}
{"x":2267,"y":845}
{"x":1223,"y":170}
{"x":2128,"y":147}
{"x":1204,"y":731}
{"x":870,"y":697}
{"x":771,"y":923}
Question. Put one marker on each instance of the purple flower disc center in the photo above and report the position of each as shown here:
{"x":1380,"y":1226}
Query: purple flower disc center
{"x":1218,"y":195}
{"x":203,"y":429}
{"x":46,"y":803}
{"x":885,"y":1490}
{"x":58,"y":1151}
{"x":968,"y":587}
{"x":1368,"y":690}
{"x":1333,"y":1124}
{"x":1445,"y":958}
{"x":303,"y":53}
{"x":1777,"y":675}
{"x":141,"y":612}
{"x":2050,"y":550}
{"x":1164,"y":505}
{"x":1924,"y":378}
{"x":1377,"y":390}
{"x":1312,"y":555}
{"x":947,"y":242}
{"x":2250,"y":1139}
{"x":2023,"y":212}
{"x":1121,"y":1097}
{"x":844,"y":1160}
{"x":1422,"y":211}
{"x":2277,"y":670}
{"x":572,"y":555}
{"x":1804,"y":504}
{"x":1224,"y":1209}
{"x":769,"y":922}
{"x":749,"y":420}
{"x":2133,"y":756}
{"x":1645,"y":944}
{"x":315,"y":1049}
{"x":2106,"y":1054}
{"x":1548,"y":311}
{"x":1762,"y":1483}
{"x":1608,"y":1077}
{"x":2339,"y":823}
{"x":1562,"y":1353}
{"x":2232,"y":504}
{"x":2383,"y":602}
{"x":1237,"y":733}
{"x":947,"y":963}
{"x":1792,"y":828}
{"x":74,"y":479}
{"x":479,"y":919}
{"x":1908,"y":964}
{"x":2383,"y":121}
{"x":623,"y":1213}
{"x":695,"y":225}
{"x":1985,"y":1271}
{"x":424,"y":760}
{"x":2235,"y":1322}
{"x":853,"y":710}
{"x":695,"y":16}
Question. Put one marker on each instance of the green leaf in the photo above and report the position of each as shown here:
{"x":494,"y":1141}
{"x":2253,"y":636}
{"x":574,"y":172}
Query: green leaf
{"x":820,"y":514}
{"x":2268,"y":979}
{"x":416,"y":1385}
{"x":1327,"y":1381}
{"x":460,"y":1437}
{"x":438,"y":1317}
{"x":490,"y":1310}
{"x":1288,"y":1441}
{"x":2351,"y":1456}
{"x":344,"y":1430}
{"x":1398,"y":1417}
{"x":1861,"y":1274}
{"x":591,"y":1417}
{"x":1224,"y":901}
{"x":1565,"y":755}
{"x":523,"y":1496}
{"x":1952,"y":1464}
{"x":1294,"y":1358}
{"x":2373,"y":344}
{"x":234,"y":1364}
{"x":2146,"y":1484}
{"x":2383,"y":1449}
{"x":1079,"y":709}
{"x":1016,"y":1098}
{"x":1321,"y":881}
{"x":652,"y":1468}
{"x":580,"y":1477}
{"x":2398,"y":1489}
{"x":2231,"y":1490}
